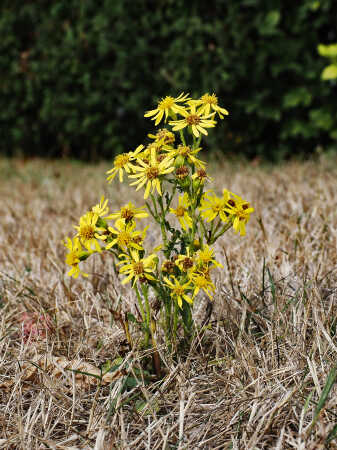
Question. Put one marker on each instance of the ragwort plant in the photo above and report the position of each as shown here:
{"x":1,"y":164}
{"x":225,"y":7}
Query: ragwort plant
{"x":190,"y":218}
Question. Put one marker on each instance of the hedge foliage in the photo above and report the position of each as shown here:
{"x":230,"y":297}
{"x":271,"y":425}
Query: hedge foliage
{"x":77,"y":75}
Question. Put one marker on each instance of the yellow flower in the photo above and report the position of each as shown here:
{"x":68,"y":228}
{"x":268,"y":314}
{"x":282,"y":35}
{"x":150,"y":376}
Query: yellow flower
{"x":137,"y":268}
{"x":129,"y":212}
{"x":74,"y":256}
{"x":150,"y":173}
{"x":182,"y":212}
{"x":209,"y":102}
{"x":123,"y":162}
{"x":166,"y":106}
{"x":125,"y":236}
{"x":163,"y":136}
{"x":187,"y":153}
{"x":178,"y":290}
{"x":205,"y":257}
{"x":211,"y":206}
{"x":203,"y":282}
{"x":194,"y":119}
{"x":239,"y":211}
{"x":88,"y":231}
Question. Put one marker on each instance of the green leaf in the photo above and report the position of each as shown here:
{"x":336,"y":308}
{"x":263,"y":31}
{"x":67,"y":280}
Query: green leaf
{"x":296,"y":97}
{"x":329,"y":51}
{"x":330,"y":72}
{"x":325,"y":393}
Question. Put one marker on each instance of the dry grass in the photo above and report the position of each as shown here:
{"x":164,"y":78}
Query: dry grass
{"x":253,"y":377}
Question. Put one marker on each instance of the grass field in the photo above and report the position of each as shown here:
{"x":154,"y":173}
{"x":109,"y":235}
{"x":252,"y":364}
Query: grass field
{"x":260,"y":375}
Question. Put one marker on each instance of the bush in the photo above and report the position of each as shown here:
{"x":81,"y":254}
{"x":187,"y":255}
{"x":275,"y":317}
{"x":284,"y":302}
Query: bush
{"x":75,"y":74}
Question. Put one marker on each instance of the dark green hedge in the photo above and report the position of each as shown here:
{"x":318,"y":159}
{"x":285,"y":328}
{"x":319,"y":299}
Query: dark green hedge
{"x":77,"y":75}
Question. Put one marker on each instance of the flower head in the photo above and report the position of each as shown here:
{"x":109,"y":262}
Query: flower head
{"x":126,"y":237}
{"x":137,"y":268}
{"x":181,"y":212}
{"x":178,"y":290}
{"x":150,"y":173}
{"x":194,"y":119}
{"x":209,"y":102}
{"x":185,"y":262}
{"x":129,"y":212}
{"x":201,"y":281}
{"x":123,"y":162}
{"x":74,"y":256}
{"x":185,"y":152}
{"x":211,"y":206}
{"x":88,"y":231}
{"x":205,"y":257}
{"x":166,"y":106}
{"x":239,"y":212}
{"x":163,"y":136}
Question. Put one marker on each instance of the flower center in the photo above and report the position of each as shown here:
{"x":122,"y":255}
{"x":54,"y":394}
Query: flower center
{"x":121,"y":160}
{"x":178,"y":291}
{"x":127,"y":214}
{"x":87,"y":232}
{"x":211,"y":99}
{"x":138,"y":268}
{"x":193,"y":119}
{"x":123,"y":238}
{"x":166,"y":103}
{"x":181,"y":172}
{"x":166,"y":135}
{"x":180,"y":211}
{"x":187,"y":263}
{"x":217,"y":207}
{"x":201,"y":174}
{"x":184,"y":150}
{"x":200,"y":282}
{"x":152,"y":173}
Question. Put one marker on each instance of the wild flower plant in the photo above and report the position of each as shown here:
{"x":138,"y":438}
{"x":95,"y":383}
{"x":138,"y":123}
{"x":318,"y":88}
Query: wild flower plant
{"x":190,"y":218}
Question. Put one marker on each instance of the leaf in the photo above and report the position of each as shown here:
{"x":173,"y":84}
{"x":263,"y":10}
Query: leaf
{"x":326,"y":390}
{"x":329,"y":51}
{"x":330,"y":72}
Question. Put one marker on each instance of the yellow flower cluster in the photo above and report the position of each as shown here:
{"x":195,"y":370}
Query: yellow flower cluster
{"x":168,"y":164}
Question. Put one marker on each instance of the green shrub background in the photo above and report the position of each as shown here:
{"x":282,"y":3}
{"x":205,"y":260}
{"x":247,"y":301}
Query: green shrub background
{"x":77,"y":75}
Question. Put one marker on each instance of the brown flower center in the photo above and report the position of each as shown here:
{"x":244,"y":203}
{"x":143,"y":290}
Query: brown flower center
{"x":87,"y":232}
{"x":193,"y":119}
{"x":152,"y":173}
{"x":127,"y":214}
{"x":138,"y":268}
{"x":181,"y":172}
{"x":180,"y":211}
{"x":187,"y":263}
{"x":201,"y":174}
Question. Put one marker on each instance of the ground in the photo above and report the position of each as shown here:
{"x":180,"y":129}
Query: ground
{"x":259,"y":375}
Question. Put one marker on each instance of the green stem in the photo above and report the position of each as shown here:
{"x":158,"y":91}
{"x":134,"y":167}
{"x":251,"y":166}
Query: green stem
{"x":140,"y":303}
{"x":162,"y":222}
{"x":222,"y":231}
{"x":147,"y":305}
{"x":175,"y":322}
{"x":182,"y":137}
{"x":144,"y":317}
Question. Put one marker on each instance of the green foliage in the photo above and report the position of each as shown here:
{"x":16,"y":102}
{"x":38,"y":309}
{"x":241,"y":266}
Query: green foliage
{"x":75,"y":74}
{"x":329,"y":51}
